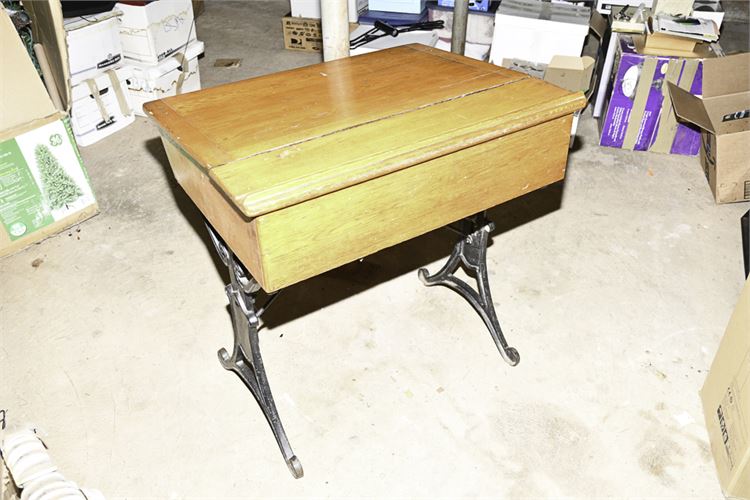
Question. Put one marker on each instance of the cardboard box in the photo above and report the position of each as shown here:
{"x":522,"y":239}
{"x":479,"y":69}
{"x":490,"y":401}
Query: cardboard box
{"x":534,"y":31}
{"x":661,"y":44}
{"x":311,"y":9}
{"x":726,"y":403}
{"x":44,"y":188}
{"x":725,"y":151}
{"x":177,"y":74}
{"x":154,"y":31}
{"x":570,"y":73}
{"x":405,"y":6}
{"x":93,"y":44}
{"x":101,"y":106}
{"x":639,"y":114}
{"x":302,"y":33}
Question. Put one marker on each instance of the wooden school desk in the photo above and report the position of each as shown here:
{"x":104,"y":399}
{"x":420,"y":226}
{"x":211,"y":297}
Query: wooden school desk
{"x":303,"y":171}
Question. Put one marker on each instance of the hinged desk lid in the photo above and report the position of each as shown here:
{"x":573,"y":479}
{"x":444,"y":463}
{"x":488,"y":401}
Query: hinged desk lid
{"x":277,"y":140}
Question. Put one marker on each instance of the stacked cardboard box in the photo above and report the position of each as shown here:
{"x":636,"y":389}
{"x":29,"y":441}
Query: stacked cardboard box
{"x":100,"y":102}
{"x":723,"y":117}
{"x":160,"y":44}
{"x":639,"y":114}
{"x":301,"y":26}
{"x":44,"y":188}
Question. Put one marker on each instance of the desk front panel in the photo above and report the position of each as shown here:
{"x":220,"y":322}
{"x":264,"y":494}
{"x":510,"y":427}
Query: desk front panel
{"x":298,"y":242}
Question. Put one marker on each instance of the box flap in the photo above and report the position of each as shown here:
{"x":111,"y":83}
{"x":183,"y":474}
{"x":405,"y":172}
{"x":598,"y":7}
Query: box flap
{"x":49,"y":31}
{"x":729,"y":113}
{"x":23,"y":97}
{"x":690,"y":108}
{"x":570,"y":63}
{"x":598,"y":24}
{"x":726,"y":75}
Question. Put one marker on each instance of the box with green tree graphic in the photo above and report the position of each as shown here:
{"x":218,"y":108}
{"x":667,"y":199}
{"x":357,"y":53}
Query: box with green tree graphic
{"x":44,"y":188}
{"x":42,"y":180}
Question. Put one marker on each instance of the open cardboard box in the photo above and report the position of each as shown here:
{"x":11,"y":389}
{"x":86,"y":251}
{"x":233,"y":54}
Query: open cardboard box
{"x":44,"y":188}
{"x":725,"y":144}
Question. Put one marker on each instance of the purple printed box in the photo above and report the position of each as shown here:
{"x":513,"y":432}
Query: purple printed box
{"x":633,"y":101}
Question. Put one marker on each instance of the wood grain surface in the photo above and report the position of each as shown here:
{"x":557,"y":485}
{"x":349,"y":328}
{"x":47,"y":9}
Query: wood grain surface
{"x":287,"y":176}
{"x":237,"y":120}
{"x":309,"y":238}
{"x":306,"y":170}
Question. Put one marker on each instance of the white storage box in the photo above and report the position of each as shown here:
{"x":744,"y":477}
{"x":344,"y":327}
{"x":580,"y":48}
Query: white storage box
{"x":101,"y":106}
{"x":151,"y":32}
{"x":177,"y":74}
{"x":404,"y":6}
{"x":534,"y":31}
{"x":93,"y":44}
{"x":311,"y":9}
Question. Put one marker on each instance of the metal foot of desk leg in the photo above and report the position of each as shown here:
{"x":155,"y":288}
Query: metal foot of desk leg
{"x":245,"y":359}
{"x":471,"y":252}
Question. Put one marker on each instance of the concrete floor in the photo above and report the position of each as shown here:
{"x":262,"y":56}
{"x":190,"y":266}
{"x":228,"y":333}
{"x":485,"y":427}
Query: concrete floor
{"x":616,"y":290}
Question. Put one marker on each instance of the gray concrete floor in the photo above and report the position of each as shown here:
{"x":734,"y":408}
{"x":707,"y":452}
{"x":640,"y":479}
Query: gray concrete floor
{"x":615,"y":288}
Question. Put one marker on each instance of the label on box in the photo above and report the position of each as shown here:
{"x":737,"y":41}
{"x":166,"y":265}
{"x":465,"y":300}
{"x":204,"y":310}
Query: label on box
{"x":42,"y":179}
{"x":732,"y":425}
{"x":302,"y":34}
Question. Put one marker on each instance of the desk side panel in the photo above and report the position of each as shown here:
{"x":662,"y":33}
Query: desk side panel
{"x":234,"y":228}
{"x":310,"y":238}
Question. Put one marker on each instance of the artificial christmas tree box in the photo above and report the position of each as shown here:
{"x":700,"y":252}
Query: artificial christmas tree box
{"x":44,"y":188}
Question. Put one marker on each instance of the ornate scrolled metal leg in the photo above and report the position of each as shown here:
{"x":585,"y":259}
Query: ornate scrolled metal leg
{"x":471,"y":252}
{"x":246,"y":360}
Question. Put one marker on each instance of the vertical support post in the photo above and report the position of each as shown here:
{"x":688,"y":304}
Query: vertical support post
{"x":460,"y":21}
{"x":334,"y":17}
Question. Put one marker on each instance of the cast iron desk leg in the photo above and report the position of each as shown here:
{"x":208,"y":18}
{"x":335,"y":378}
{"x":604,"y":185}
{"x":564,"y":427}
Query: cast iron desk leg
{"x":245,"y":360}
{"x":471,"y":252}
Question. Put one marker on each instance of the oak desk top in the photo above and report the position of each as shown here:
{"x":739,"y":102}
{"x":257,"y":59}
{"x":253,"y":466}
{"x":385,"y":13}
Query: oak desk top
{"x":278,"y":140}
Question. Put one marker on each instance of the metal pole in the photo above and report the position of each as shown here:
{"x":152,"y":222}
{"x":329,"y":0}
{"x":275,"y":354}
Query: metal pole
{"x":460,"y":19}
{"x":334,"y":16}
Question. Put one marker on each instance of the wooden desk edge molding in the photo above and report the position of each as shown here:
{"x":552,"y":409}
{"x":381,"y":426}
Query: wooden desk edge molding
{"x":305,"y":170}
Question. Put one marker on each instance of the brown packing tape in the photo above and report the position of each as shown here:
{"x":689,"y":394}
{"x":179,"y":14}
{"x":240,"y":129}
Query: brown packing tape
{"x":185,"y":65}
{"x":639,"y":105}
{"x":667,"y":119}
{"x":94,"y":91}
{"x":117,"y":88}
